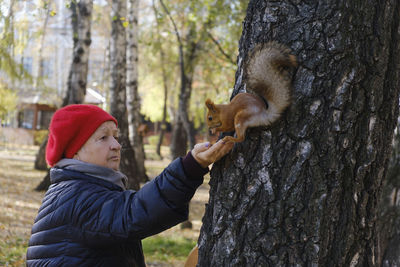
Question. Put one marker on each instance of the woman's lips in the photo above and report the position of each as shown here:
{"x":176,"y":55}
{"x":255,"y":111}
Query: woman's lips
{"x":114,"y":158}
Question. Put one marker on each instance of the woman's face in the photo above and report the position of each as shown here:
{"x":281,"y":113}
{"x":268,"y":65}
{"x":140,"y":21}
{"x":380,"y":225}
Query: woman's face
{"x":102,"y":148}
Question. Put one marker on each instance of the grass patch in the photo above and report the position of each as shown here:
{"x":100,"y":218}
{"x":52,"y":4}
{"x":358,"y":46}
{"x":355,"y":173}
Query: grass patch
{"x":150,"y":151}
{"x":12,"y":252}
{"x":166,"y":249}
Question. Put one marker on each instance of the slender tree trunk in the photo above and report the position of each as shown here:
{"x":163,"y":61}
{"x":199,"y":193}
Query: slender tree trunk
{"x":306,"y":192}
{"x":182,"y":123}
{"x":132,"y":90}
{"x":78,"y":73}
{"x":9,"y":36}
{"x":105,"y":79}
{"x":118,"y":89}
{"x":187,"y":61}
{"x":178,"y":139}
{"x":165,"y":86}
{"x":39,"y":74}
{"x":40,"y":160}
{"x":76,"y":85}
{"x":164,"y":115}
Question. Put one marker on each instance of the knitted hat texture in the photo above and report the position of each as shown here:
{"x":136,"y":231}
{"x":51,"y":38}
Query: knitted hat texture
{"x":70,"y":128}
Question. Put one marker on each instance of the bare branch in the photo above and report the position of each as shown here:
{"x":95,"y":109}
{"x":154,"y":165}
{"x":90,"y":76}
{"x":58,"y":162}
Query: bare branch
{"x":221,"y":49}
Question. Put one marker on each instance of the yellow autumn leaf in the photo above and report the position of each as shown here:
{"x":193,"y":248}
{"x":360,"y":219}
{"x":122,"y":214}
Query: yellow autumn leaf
{"x":53,"y":13}
{"x":125,"y":24}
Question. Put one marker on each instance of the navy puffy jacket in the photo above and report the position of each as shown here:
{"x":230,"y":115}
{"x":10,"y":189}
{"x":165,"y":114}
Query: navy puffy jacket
{"x":86,"y":221}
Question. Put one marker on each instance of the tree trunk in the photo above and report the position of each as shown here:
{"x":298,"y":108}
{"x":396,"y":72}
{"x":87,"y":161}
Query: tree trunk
{"x":178,"y":139}
{"x":81,"y":24}
{"x":118,"y":89}
{"x":182,"y":123}
{"x":40,"y":160}
{"x":39,"y":74}
{"x":164,"y":114}
{"x":389,"y":211}
{"x":132,"y":90}
{"x":165,"y":85}
{"x":77,"y":78}
{"x":305,"y":193}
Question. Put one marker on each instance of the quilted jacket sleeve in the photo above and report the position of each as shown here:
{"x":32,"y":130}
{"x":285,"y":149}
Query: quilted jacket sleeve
{"x":112,"y":216}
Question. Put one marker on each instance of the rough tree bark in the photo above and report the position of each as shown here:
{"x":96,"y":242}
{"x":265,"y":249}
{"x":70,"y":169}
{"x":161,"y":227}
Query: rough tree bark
{"x":132,"y":89}
{"x":77,"y":79}
{"x":389,"y":211}
{"x":76,"y":86}
{"x":305,"y":193}
{"x":118,"y":89}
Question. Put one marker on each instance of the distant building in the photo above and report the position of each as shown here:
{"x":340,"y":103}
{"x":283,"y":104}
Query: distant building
{"x":95,"y":98}
{"x":35,"y":112}
{"x":35,"y":116}
{"x":37,"y":102}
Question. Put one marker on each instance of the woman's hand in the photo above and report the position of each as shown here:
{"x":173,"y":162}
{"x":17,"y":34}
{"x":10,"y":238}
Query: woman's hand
{"x":205,"y":153}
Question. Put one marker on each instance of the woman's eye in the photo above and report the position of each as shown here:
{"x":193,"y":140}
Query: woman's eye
{"x":103,"y":138}
{"x":116,"y":138}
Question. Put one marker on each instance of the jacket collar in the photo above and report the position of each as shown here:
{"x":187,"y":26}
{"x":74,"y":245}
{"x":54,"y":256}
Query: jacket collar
{"x":77,"y":169}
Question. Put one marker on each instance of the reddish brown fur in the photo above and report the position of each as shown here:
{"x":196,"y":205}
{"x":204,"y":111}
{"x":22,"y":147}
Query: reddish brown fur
{"x":268,"y":76}
{"x":226,"y":116}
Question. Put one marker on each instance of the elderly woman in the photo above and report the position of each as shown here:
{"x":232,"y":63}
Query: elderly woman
{"x":88,"y":217}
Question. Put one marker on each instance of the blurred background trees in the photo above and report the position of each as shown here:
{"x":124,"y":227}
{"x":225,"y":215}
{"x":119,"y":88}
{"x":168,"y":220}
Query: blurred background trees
{"x":54,"y":53}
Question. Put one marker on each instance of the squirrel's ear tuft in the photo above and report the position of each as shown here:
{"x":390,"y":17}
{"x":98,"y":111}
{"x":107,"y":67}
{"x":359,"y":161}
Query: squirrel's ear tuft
{"x":210,"y":105}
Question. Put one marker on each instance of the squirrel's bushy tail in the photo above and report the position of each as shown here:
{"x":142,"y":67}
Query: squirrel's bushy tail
{"x":267,"y":74}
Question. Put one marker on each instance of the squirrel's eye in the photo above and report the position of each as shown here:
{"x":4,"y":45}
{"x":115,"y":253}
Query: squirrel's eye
{"x":210,"y":118}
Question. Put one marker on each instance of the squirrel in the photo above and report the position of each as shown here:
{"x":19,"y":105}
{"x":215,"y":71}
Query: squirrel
{"x":267,"y":77}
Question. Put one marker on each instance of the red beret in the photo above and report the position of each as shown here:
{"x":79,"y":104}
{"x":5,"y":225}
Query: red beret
{"x":70,"y":128}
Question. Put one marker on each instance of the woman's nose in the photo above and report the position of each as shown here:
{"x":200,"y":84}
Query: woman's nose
{"x":115,"y":144}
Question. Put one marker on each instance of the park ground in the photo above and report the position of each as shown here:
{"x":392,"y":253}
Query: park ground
{"x":19,"y":203}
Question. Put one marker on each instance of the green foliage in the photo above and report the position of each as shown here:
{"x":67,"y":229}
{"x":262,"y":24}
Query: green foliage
{"x":8,"y":101}
{"x":153,"y":140}
{"x":39,"y":136}
{"x":167,"y":248}
{"x":152,"y":99}
{"x":10,"y":44}
{"x":203,"y":24}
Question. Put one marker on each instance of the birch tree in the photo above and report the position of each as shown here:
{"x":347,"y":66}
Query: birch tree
{"x":306,"y":192}
{"x":132,"y":89}
{"x":77,"y":79}
{"x":118,"y":88}
{"x":76,"y":86}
